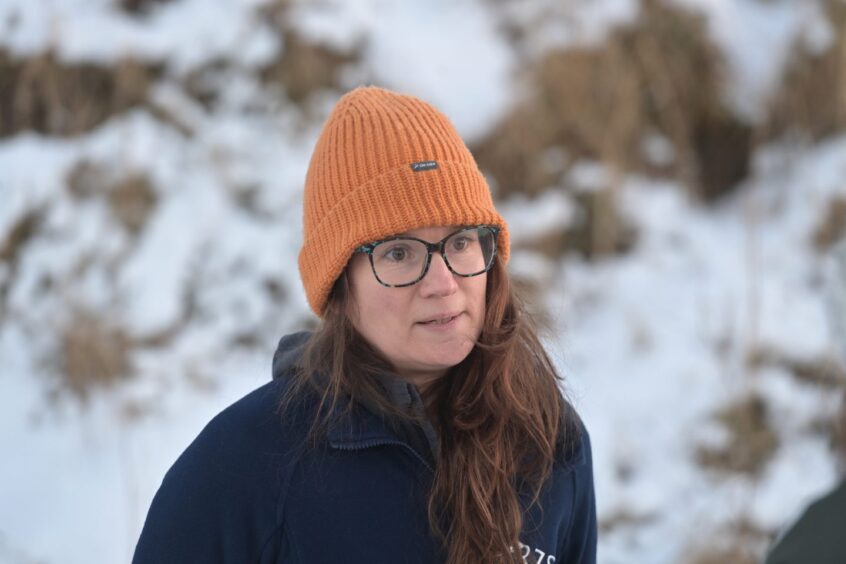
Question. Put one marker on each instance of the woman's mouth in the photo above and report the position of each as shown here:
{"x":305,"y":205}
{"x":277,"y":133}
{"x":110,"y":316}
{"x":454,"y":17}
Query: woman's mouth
{"x":441,"y":323}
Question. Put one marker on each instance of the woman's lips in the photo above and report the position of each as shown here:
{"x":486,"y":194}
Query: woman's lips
{"x":441,"y":325}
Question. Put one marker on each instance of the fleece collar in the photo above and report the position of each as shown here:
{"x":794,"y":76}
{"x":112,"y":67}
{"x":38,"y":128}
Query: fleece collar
{"x":360,"y":427}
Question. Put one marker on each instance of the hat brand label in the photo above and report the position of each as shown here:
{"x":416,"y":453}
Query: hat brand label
{"x":424,"y":165}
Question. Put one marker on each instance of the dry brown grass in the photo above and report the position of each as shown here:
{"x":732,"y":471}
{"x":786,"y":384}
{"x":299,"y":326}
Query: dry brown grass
{"x":604,"y":231}
{"x":823,"y":371}
{"x":203,"y":84}
{"x":23,"y":231}
{"x":742,"y":542}
{"x":600,"y":230}
{"x":44,"y":94}
{"x":752,"y":441}
{"x":832,"y":226}
{"x":734,"y":554}
{"x":660,"y":75}
{"x":86,"y":180}
{"x":130,"y":196}
{"x":812,"y":96}
{"x":132,"y":200}
{"x":624,"y":518}
{"x":94,"y":354}
{"x":303,"y":67}
{"x":828,"y":427}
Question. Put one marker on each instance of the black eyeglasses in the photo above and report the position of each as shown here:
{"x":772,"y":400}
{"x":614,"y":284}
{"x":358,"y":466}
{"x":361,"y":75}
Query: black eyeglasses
{"x":403,"y":261}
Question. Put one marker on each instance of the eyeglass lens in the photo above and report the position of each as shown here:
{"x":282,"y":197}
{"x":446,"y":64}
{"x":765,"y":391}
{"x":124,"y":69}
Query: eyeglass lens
{"x":467,"y":252}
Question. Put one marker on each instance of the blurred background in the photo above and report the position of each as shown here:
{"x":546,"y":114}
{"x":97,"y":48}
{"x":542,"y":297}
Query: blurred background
{"x":673,"y":173}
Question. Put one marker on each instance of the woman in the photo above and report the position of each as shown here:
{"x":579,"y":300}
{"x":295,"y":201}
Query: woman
{"x":422,"y":421}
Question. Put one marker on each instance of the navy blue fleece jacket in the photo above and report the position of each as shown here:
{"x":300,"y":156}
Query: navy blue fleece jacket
{"x":249,"y":490}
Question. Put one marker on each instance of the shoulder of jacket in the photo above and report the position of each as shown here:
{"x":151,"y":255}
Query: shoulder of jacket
{"x":250,"y":446}
{"x":231,"y":480}
{"x":573,"y":450}
{"x":256,"y":422}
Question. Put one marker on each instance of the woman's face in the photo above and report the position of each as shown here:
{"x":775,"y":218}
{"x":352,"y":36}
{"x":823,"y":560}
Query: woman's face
{"x":393,"y":320}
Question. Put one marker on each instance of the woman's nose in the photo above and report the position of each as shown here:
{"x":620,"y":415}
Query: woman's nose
{"x":439,"y":279}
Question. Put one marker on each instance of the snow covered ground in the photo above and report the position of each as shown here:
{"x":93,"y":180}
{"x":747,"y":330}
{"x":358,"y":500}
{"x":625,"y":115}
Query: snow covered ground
{"x":653,"y":343}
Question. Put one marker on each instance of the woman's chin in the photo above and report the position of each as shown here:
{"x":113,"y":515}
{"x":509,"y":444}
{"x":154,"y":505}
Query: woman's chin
{"x":448,"y":354}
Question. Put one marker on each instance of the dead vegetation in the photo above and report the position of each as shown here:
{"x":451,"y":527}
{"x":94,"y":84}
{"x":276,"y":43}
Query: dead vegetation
{"x":48,"y":95}
{"x":827,"y":427}
{"x":93,"y":354}
{"x":752,"y":440}
{"x":45,"y":94}
{"x":21,"y":233}
{"x":832,"y":227}
{"x":624,"y":518}
{"x":660,"y":75}
{"x":832,"y":428}
{"x":11,"y":248}
{"x":824,"y":371}
{"x":740,"y":542}
{"x":86,"y":180}
{"x":131,"y":200}
{"x":602,"y":230}
{"x":303,"y":67}
{"x":95,"y":349}
{"x":131,"y":196}
{"x":597,"y":232}
{"x":812,"y":98}
{"x":203,"y":84}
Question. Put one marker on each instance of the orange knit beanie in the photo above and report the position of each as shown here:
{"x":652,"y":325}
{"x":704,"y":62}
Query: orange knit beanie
{"x":385,"y":163}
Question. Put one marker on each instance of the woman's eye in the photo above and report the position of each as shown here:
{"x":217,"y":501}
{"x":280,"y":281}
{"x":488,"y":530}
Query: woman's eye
{"x":396,"y":254}
{"x":461,"y":243}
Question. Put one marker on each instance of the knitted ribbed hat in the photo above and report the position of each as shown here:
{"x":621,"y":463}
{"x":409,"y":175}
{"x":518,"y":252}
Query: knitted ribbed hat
{"x":384,"y":163}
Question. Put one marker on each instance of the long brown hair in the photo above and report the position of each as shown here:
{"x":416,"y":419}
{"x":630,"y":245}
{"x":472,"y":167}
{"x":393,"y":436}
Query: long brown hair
{"x":500,"y":417}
